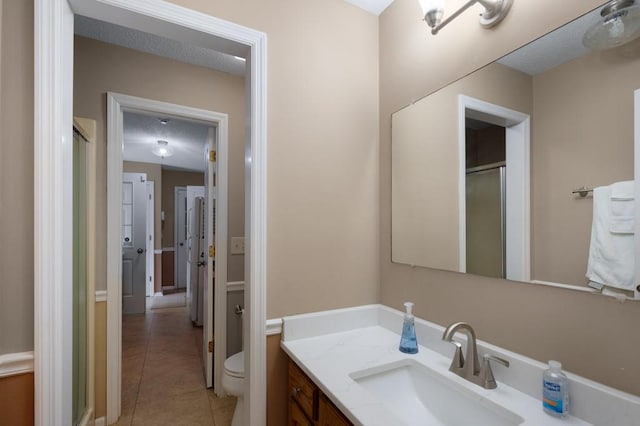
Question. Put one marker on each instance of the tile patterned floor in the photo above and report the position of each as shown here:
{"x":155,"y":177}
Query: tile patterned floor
{"x":162,"y":377}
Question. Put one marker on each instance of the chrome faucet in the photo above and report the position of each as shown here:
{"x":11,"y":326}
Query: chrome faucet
{"x":468,"y":366}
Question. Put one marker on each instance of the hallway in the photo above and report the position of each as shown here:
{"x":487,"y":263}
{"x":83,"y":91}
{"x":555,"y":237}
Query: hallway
{"x":162,"y":378}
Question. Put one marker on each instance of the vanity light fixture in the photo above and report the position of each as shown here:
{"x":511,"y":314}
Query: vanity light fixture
{"x":494,"y":12}
{"x":619,"y":24}
{"x":162,"y":150}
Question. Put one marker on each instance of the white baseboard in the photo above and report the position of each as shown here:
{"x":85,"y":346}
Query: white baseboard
{"x":101,"y":421}
{"x":16,"y":363}
{"x":87,"y":419}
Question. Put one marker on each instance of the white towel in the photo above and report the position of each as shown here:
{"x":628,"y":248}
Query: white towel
{"x":611,"y":255}
{"x":622,"y":208}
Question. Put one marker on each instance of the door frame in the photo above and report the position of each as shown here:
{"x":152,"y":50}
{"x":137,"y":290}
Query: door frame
{"x":176,"y":189}
{"x":117,"y":104}
{"x":53,"y":228}
{"x":518,"y":227}
{"x":151,"y":239}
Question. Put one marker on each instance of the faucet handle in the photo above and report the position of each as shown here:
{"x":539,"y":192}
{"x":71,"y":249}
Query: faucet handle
{"x":486,"y":374}
{"x":458,"y":359}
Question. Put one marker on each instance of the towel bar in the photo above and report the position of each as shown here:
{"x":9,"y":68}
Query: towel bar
{"x":583,"y":191}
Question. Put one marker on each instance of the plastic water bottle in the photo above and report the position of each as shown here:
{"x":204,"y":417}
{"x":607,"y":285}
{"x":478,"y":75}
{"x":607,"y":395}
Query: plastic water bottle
{"x":555,"y":390}
{"x":408,"y":341}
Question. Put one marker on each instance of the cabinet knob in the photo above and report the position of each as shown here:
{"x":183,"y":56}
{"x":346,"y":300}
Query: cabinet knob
{"x":295,"y":391}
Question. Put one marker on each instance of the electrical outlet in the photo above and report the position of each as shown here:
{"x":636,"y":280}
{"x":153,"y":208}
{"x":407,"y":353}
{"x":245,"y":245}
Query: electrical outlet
{"x":237,"y":245}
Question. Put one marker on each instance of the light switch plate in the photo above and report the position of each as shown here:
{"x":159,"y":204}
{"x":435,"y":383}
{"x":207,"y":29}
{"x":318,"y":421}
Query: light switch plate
{"x":237,"y":245}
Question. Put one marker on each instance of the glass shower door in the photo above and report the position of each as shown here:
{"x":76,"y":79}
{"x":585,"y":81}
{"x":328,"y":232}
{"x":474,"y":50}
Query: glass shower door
{"x":485,"y":219}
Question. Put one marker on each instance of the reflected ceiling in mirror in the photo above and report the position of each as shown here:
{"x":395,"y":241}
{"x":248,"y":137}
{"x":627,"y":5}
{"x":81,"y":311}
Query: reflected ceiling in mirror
{"x":579,"y":123}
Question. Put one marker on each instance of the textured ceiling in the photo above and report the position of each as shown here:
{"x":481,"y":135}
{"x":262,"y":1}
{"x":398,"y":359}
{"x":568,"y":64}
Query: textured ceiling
{"x":156,"y":45}
{"x":186,"y":139}
{"x":372,"y":6}
{"x":553,"y":49}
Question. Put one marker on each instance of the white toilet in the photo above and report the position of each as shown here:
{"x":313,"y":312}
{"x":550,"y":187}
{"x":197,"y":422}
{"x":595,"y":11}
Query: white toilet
{"x":233,"y":384}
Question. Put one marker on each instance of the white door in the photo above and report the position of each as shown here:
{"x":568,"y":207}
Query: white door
{"x":181,"y":237}
{"x":198,"y":260}
{"x":150,"y":237}
{"x":134,"y":231}
{"x":209,"y":270}
{"x":192,"y":193}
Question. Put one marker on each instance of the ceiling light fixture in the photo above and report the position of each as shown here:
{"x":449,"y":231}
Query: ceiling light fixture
{"x":162,"y":150}
{"x":620,"y":24}
{"x":163,"y":121}
{"x":240,"y":58}
{"x":494,"y":12}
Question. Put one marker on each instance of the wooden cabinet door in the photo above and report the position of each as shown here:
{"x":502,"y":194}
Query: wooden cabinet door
{"x":303,"y":391}
{"x":329,"y":415}
{"x":296,"y":416}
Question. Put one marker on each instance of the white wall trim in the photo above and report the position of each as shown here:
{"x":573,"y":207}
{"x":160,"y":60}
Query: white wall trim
{"x":53,"y":225}
{"x":235,"y":286}
{"x":273,"y":326}
{"x":101,"y":296}
{"x":166,"y":249}
{"x":636,"y":168}
{"x":117,"y":104}
{"x":16,"y":363}
{"x":87,"y":418}
{"x":100,"y":421}
{"x":518,"y":226}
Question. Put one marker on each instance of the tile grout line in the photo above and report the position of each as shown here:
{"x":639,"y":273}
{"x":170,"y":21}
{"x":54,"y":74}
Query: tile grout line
{"x":148,"y":335}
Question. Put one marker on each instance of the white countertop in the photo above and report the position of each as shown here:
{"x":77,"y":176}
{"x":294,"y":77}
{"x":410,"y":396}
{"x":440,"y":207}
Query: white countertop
{"x":330,"y":346}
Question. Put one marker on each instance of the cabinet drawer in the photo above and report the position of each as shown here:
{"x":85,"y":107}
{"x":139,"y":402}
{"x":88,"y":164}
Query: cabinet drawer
{"x":303,"y":391}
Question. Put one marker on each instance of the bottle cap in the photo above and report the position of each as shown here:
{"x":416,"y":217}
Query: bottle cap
{"x":409,"y":307}
{"x":556,"y":365}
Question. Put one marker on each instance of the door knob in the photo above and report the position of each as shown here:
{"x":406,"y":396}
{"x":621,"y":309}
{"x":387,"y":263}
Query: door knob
{"x":181,"y":244}
{"x":139,"y":251}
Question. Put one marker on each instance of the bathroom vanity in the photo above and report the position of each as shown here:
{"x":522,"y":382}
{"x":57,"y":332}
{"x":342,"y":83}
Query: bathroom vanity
{"x":308,"y":405}
{"x":347,"y":362}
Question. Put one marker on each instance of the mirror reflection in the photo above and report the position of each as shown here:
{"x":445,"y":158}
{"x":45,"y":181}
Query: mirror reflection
{"x":484,"y":170}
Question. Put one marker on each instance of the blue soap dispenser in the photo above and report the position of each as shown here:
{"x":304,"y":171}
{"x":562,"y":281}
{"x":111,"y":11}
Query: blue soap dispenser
{"x":408,"y":341}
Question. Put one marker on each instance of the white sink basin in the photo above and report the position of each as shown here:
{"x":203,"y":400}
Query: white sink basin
{"x":421,"y":396}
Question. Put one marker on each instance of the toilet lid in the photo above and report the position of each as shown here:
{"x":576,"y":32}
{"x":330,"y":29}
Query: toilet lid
{"x":234,"y":365}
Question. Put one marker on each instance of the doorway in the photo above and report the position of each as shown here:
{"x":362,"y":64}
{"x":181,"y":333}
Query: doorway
{"x":511,"y":203}
{"x":53,"y":113}
{"x":123,"y":104}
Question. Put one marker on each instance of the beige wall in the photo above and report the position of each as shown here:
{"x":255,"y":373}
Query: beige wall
{"x":541,"y":322}
{"x":100,"y":67}
{"x":582,"y":136}
{"x":16,"y":176}
{"x":425,"y":164}
{"x":171,"y":179}
{"x":322,"y":154}
{"x":154,"y":173}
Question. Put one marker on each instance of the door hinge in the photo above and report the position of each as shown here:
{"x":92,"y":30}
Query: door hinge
{"x":212,"y":251}
{"x":212,"y":156}
{"x":211,"y":346}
